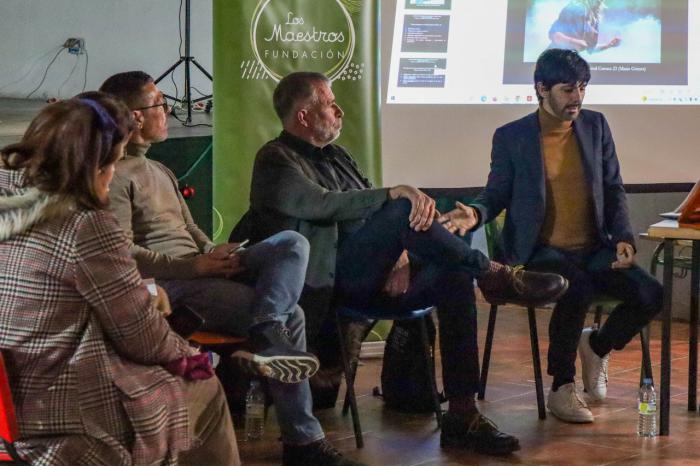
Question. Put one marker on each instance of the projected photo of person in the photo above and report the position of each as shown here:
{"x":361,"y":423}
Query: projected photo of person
{"x":603,"y":31}
{"x":627,"y":42}
{"x":577,"y":27}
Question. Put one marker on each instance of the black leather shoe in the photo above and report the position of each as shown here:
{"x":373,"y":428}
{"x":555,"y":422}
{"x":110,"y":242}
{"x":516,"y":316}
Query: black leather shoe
{"x":320,"y":453}
{"x":517,"y":285}
{"x":476,"y":432}
{"x":270,"y":353}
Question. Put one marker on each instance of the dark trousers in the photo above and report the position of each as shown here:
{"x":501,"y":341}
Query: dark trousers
{"x":443,"y":268}
{"x":589,"y":274}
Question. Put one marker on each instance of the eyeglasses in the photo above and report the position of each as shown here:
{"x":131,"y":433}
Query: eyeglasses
{"x":164,"y":104}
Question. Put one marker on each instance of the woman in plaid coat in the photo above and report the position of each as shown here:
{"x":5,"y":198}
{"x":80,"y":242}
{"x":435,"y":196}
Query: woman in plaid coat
{"x":84,"y":346}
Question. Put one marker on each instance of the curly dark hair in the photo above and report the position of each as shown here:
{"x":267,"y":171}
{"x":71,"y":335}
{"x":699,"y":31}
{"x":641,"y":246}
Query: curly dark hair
{"x":555,"y":66}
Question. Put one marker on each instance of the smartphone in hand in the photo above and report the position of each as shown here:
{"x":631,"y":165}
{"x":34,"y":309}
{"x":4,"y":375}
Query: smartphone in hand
{"x":151,"y":286}
{"x":239,"y":248}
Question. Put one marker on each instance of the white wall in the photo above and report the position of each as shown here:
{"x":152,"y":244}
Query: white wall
{"x":450,"y":145}
{"x":437,"y":146}
{"x":120,"y":35}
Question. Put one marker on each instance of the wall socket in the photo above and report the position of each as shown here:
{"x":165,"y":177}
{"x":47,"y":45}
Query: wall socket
{"x":75,"y":45}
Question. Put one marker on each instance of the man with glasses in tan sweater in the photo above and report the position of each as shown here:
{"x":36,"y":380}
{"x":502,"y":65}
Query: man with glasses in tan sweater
{"x":251,"y":292}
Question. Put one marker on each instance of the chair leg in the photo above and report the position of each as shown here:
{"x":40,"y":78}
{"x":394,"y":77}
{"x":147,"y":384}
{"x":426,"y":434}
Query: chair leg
{"x":646,"y":371}
{"x":353,"y":353}
{"x":487,"y":352}
{"x":534,"y":343}
{"x":353,"y":373}
{"x":350,"y":387}
{"x":12,"y":451}
{"x":430,"y":365}
{"x":349,"y":378}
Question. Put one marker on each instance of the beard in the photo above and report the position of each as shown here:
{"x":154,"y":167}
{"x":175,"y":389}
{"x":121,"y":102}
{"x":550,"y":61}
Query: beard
{"x":565,"y":115}
{"x":562,"y":112}
{"x":328,"y":134}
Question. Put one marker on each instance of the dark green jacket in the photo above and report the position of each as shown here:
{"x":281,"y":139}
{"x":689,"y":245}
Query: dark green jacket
{"x":287,"y":194}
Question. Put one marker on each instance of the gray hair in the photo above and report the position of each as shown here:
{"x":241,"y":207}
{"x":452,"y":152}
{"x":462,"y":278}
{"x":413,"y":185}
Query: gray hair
{"x":294,"y":89}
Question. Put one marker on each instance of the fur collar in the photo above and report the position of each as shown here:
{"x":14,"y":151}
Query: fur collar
{"x":29,"y":207}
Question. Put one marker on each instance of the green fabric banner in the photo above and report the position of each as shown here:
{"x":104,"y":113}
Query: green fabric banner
{"x":256,"y":43}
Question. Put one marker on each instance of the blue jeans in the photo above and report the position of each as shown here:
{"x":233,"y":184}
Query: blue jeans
{"x":269,"y":290}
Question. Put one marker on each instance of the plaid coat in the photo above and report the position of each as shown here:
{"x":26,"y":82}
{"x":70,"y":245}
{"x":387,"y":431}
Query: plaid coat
{"x":82,"y":342}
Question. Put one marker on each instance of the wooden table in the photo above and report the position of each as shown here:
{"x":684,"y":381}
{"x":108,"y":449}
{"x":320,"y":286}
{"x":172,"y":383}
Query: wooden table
{"x":668,"y":231}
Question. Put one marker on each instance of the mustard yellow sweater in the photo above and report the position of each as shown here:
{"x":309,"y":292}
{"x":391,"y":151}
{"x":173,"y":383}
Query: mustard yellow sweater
{"x":569,"y":221}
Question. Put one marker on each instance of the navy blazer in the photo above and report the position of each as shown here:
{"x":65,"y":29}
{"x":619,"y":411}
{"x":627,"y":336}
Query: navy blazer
{"x":517,"y":183}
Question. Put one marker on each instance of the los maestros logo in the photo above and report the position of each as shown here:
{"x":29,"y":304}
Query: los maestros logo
{"x":309,"y":35}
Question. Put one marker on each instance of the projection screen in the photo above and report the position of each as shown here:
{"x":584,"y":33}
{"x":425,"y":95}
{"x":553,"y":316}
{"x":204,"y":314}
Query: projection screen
{"x":455,"y":70}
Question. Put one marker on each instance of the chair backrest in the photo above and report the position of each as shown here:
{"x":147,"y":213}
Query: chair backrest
{"x":9,"y":431}
{"x":494,"y":242}
{"x":682,"y":260}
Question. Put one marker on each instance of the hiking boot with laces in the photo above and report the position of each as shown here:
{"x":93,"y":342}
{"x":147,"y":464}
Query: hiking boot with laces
{"x":270,"y":353}
{"x":566,"y":404}
{"x":594,"y":368}
{"x":515,"y":284}
{"x":319,"y":453}
{"x":476,"y":432}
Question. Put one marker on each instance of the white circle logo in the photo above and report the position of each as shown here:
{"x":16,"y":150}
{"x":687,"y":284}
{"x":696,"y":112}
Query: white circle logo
{"x":308,"y":36}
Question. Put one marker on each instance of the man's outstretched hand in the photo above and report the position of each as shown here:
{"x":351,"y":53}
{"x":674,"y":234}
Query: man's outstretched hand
{"x":422,"y":206}
{"x":460,"y":220}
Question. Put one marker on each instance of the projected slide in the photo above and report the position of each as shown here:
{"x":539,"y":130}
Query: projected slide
{"x":621,"y":39}
{"x":429,"y":4}
{"x":484,"y":51}
{"x":425,"y":33}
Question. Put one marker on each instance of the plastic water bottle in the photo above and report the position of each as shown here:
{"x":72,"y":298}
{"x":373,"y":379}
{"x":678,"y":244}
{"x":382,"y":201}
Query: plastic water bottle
{"x":646,"y":426}
{"x":254,"y":411}
{"x":214,"y":359}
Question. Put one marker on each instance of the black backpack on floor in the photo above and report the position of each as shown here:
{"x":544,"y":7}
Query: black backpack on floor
{"x":405,"y":381}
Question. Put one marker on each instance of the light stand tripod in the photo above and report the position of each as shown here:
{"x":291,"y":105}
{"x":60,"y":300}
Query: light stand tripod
{"x":187,"y":59}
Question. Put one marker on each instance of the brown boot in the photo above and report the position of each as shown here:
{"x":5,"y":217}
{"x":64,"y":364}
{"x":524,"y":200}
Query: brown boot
{"x":474,"y":431}
{"x":517,"y":285}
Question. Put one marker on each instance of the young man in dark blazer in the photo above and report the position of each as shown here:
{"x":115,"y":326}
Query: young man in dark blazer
{"x":556,"y":173}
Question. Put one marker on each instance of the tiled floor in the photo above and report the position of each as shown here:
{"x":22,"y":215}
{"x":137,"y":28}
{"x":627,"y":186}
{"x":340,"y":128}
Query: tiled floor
{"x":400,"y":439}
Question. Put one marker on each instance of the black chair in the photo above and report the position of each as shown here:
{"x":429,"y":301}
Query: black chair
{"x":344,"y":313}
{"x":444,"y":203}
{"x":493,"y":240}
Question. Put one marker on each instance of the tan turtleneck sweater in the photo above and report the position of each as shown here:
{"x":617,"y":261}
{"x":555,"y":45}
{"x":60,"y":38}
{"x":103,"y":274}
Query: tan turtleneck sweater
{"x":569,"y":221}
{"x":151,"y":211}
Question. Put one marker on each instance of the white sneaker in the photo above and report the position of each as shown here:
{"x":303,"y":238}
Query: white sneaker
{"x":567,"y":405}
{"x":595,"y":368}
